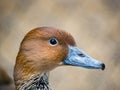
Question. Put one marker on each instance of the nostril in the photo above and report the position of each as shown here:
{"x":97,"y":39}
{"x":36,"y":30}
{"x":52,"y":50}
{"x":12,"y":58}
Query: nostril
{"x":103,"y":66}
{"x":81,"y":55}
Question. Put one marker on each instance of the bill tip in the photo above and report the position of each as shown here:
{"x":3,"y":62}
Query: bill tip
{"x":103,"y":66}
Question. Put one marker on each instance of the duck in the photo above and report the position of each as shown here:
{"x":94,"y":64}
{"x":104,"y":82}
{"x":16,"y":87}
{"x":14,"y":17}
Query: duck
{"x":44,"y":49}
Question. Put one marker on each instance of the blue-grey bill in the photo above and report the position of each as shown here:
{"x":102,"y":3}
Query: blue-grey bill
{"x":76,"y":57}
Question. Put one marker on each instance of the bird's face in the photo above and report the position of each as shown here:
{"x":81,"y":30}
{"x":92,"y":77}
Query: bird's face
{"x":45,"y":48}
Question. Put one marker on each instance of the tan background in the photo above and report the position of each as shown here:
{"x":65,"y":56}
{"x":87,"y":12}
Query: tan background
{"x":95,"y":25}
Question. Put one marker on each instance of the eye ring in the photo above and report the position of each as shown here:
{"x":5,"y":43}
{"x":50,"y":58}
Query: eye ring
{"x":53,"y":41}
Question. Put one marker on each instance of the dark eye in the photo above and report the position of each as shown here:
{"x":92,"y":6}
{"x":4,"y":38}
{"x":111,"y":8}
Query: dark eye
{"x":53,"y":41}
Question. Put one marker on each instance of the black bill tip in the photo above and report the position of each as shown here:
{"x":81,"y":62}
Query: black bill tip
{"x":103,"y":66}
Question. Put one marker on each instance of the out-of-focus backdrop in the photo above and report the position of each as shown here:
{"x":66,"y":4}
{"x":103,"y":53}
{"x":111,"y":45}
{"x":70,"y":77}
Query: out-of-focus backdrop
{"x":95,"y":25}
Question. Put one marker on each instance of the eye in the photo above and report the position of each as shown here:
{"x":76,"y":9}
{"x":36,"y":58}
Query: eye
{"x":53,"y":41}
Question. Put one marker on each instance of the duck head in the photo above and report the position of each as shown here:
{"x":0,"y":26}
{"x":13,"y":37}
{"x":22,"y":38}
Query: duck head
{"x":45,"y":48}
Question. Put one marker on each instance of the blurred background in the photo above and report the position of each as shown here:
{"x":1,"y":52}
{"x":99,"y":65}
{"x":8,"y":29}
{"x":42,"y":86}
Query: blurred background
{"x":95,"y":25}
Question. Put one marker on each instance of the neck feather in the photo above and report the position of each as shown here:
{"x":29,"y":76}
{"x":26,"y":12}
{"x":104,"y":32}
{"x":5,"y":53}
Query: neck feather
{"x":37,"y":82}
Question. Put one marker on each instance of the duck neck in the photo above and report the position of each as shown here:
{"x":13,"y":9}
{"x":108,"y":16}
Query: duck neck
{"x":37,"y":82}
